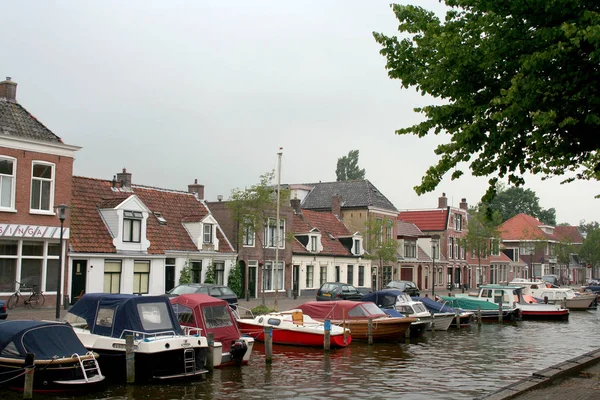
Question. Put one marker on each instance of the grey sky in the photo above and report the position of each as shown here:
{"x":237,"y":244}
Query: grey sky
{"x":182,"y":90}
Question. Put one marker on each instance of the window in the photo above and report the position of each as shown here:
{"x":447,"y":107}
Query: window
{"x":337,"y":273}
{"x":458,"y":222}
{"x":8,"y":168}
{"x":440,"y":276}
{"x":208,"y":233}
{"x":112,"y":276}
{"x":196,"y":270}
{"x":271,"y":232}
{"x":141,"y":277}
{"x":356,"y":247}
{"x":132,"y":226}
{"x":387,"y":274}
{"x":390,"y":229}
{"x":410,"y":248}
{"x":323,"y":276}
{"x":309,"y":276}
{"x":380,"y":233}
{"x":42,"y":186}
{"x":350,"y":274}
{"x":361,"y":275}
{"x":248,"y":232}
{"x":313,"y":243}
{"x":269,"y":276}
{"x":220,"y":273}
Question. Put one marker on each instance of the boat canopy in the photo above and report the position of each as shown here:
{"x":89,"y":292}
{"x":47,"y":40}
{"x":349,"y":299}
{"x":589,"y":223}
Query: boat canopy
{"x":208,"y":313}
{"x":437,"y":307}
{"x":111,"y":315}
{"x":340,"y":309}
{"x":385,"y":298}
{"x":468,"y":303}
{"x":47,"y":340}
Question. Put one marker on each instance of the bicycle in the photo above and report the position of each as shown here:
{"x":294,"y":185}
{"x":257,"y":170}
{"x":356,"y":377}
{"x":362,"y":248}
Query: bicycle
{"x":36,"y":298}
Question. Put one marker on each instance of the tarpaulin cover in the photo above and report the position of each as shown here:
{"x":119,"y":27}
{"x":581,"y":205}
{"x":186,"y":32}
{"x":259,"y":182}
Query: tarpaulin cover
{"x":208,"y":313}
{"x":338,"y":310}
{"x":383,"y":298}
{"x":124,"y":312}
{"x":434,"y":306}
{"x":45,"y":339}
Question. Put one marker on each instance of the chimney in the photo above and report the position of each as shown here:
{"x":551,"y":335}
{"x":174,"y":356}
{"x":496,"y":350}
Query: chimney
{"x":197,"y":189}
{"x":336,"y":205}
{"x":125,"y":179}
{"x":443,"y":201}
{"x":8,"y":90}
{"x":463,"y":204}
{"x":295,"y":203}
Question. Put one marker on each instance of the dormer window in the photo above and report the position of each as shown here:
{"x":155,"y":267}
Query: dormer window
{"x":160,"y":218}
{"x":132,"y":226}
{"x":208,"y":233}
{"x":313,"y":243}
{"x":356,"y":247}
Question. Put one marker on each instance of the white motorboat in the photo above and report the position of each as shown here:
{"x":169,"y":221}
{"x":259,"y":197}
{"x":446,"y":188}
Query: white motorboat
{"x":565,"y":296}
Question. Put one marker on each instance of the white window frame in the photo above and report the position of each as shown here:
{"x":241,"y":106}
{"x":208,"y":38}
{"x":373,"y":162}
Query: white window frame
{"x":12,"y":188}
{"x":268,"y":283}
{"x":269,"y":233}
{"x":410,"y":248}
{"x":310,"y":282}
{"x":356,"y":247}
{"x":207,"y":234}
{"x":248,"y":232}
{"x":51,"y":180}
{"x":313,"y":243}
{"x":132,"y":224}
{"x":141,"y":278}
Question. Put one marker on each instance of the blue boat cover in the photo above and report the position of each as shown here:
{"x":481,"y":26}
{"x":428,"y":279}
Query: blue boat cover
{"x":110,"y":314}
{"x":436,"y":307}
{"x":392,"y":312}
{"x":385,"y":298}
{"x":46,"y":340}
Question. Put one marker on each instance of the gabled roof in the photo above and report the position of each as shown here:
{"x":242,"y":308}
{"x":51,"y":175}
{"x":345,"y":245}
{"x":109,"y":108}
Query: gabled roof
{"x":328,"y":224}
{"x":18,"y":122}
{"x":354,"y":194}
{"x":524,"y":227}
{"x":408,"y":229}
{"x":90,"y":234}
{"x":568,"y":234}
{"x":426,"y":220}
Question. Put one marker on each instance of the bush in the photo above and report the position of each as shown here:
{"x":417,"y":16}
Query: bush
{"x":261,"y":309}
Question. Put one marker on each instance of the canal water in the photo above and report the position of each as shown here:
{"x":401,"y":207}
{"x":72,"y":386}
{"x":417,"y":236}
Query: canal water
{"x":457,"y":364}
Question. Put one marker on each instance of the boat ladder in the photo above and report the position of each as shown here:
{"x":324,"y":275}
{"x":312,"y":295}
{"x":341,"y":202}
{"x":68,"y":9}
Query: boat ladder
{"x":88,"y":365}
{"x":189,"y":361}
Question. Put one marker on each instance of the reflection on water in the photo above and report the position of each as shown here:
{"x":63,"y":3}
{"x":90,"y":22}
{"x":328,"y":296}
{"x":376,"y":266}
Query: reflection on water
{"x":457,"y":364}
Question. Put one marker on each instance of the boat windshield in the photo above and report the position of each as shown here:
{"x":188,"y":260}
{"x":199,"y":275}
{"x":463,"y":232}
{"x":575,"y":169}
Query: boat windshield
{"x":217,"y":316}
{"x":366,"y":310}
{"x":154,"y":316}
{"x":185,"y":315}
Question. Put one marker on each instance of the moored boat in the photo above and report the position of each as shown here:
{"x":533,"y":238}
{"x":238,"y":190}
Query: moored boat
{"x":102,"y":321}
{"x":62,"y":363}
{"x":356,"y":316}
{"x":204,"y":314}
{"x":565,"y":296}
{"x":461,"y":318}
{"x":293,"y":327}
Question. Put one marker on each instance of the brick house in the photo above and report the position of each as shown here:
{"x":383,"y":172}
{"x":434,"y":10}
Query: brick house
{"x":324,"y":250}
{"x":129,"y":238}
{"x":36,"y":167}
{"x":257,"y":254}
{"x":355,"y":203}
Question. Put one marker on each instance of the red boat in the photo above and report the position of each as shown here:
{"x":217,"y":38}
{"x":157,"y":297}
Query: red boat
{"x":294,"y":328}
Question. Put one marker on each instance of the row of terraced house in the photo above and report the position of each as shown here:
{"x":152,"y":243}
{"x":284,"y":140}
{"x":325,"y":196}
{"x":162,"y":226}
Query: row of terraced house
{"x":123,"y":237}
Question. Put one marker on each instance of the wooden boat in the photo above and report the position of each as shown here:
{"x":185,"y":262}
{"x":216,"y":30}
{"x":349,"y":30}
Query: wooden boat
{"x":293,"y":327}
{"x":62,"y":363}
{"x":565,"y":296}
{"x":204,"y":314}
{"x":461,"y":318}
{"x":162,"y":351}
{"x":356,"y":315}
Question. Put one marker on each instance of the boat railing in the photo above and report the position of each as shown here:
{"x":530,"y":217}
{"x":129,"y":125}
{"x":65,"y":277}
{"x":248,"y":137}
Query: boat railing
{"x":236,"y":312}
{"x":146,"y":335}
{"x":191,"y":330}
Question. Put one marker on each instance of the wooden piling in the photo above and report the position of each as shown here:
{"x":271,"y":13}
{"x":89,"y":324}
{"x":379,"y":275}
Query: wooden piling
{"x":432,"y":321}
{"x":479,"y":315}
{"x":210,"y":357}
{"x":370,"y":334}
{"x":29,"y":371}
{"x":457,"y":316}
{"x":268,"y":344}
{"x":327,"y":335}
{"x":500,"y":312}
{"x":130,"y":359}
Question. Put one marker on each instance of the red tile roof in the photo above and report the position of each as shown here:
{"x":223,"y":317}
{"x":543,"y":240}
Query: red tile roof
{"x":568,"y":234}
{"x":90,"y":234}
{"x":326,"y":223}
{"x":426,"y":220}
{"x":524,"y":227}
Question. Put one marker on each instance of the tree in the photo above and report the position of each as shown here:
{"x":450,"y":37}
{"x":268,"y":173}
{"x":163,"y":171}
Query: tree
{"x":590,"y":250}
{"x":515,"y":200}
{"x":514,"y":81}
{"x":381,"y":248}
{"x":234,"y":280}
{"x":186,"y":274}
{"x":347,"y":167}
{"x":251,"y":209}
{"x":210,"y":274}
{"x":483,"y":235}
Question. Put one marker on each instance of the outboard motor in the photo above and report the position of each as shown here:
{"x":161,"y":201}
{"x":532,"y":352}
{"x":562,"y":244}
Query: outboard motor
{"x":238,"y":350}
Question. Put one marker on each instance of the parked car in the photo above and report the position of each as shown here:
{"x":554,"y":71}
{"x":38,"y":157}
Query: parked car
{"x":218,"y":291}
{"x":408,"y":287}
{"x":338,"y":291}
{"x":3,"y":312}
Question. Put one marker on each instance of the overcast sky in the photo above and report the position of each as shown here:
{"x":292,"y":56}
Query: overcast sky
{"x":182,"y":90}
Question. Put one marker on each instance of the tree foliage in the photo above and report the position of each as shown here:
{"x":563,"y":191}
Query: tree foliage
{"x":511,"y":201}
{"x":516,"y":84}
{"x":347,"y":167}
{"x":234,"y":280}
{"x":590,"y":250}
{"x":209,"y":277}
{"x":186,"y":274}
{"x":380,"y":246}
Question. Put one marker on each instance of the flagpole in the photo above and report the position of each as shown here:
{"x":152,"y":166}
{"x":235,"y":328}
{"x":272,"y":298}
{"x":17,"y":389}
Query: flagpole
{"x":277,"y":228}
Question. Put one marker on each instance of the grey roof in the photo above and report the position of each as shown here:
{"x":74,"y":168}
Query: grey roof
{"x":408,"y":229}
{"x":354,"y":194}
{"x":17,"y":121}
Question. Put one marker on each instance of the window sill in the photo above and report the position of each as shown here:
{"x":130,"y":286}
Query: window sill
{"x":42,"y":212}
{"x":8,"y":210}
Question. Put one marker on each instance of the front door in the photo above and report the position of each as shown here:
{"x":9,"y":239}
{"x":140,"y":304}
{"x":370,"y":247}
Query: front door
{"x":78,"y":279}
{"x":296,"y":278}
{"x":169,"y":277}
{"x":252,"y":282}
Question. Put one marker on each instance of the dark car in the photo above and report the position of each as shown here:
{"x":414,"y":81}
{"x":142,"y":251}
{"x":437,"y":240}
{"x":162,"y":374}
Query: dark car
{"x":3,"y":312}
{"x":218,"y":291}
{"x":408,"y":287}
{"x":338,"y":291}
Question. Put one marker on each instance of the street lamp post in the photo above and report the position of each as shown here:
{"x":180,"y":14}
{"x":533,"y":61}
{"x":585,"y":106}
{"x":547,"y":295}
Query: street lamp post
{"x":61,"y":211}
{"x":434,"y":242}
